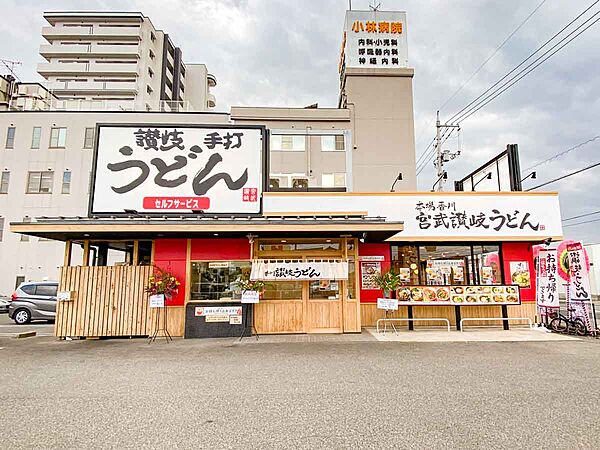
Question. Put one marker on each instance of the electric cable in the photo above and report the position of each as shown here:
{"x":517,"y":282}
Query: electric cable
{"x":558,"y":155}
{"x":492,"y":55}
{"x":497,"y":93}
{"x":582,"y":215}
{"x":522,"y":62}
{"x":563,"y":177}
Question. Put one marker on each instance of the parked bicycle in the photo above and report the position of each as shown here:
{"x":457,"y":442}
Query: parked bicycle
{"x":563,"y":324}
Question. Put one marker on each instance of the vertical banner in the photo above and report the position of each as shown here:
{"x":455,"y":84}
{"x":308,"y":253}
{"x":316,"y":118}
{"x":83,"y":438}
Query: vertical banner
{"x":547,"y":277}
{"x":579,"y":293}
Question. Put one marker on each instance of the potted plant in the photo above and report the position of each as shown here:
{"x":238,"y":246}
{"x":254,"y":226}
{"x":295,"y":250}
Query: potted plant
{"x":162,"y":282}
{"x":388,"y":282}
{"x":246,"y":284}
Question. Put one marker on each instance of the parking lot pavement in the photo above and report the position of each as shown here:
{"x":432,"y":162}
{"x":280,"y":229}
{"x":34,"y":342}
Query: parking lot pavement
{"x":9,"y":328}
{"x":357,"y":393}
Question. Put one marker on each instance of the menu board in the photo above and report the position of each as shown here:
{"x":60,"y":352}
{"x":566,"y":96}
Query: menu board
{"x":369,"y":271}
{"x":459,"y":295}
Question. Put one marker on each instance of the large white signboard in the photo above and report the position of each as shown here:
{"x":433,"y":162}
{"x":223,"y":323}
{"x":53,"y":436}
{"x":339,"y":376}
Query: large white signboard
{"x":180,"y":169}
{"x":485,"y":216}
{"x":375,"y":39}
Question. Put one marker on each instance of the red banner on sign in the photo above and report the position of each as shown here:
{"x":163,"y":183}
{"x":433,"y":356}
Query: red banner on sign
{"x":168,"y":203}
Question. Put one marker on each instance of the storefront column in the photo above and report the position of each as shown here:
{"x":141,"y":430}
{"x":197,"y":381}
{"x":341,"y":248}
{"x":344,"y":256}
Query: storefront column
{"x":136,"y":253}
{"x":67,"y":258}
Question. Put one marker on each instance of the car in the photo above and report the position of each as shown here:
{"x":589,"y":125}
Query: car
{"x":4,"y":302}
{"x":33,"y":300}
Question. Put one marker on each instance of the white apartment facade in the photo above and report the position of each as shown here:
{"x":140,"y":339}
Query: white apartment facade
{"x":119,"y":61}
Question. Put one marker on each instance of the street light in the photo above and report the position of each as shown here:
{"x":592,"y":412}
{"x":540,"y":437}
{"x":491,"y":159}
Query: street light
{"x":443,"y":176}
{"x":487,"y":177}
{"x":398,"y":178}
{"x":532,"y":175}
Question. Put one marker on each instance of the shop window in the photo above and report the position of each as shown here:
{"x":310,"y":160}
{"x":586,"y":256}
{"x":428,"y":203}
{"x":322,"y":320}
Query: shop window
{"x":274,"y":183}
{"x":300,"y":183}
{"x":332,"y":143}
{"x":144,"y":253}
{"x":324,"y":290}
{"x":351,"y":283}
{"x":487,"y":263}
{"x":283,"y":290}
{"x":20,"y":279}
{"x":216,"y":280}
{"x":330,"y":245}
{"x":445,"y":264}
{"x":405,"y":262}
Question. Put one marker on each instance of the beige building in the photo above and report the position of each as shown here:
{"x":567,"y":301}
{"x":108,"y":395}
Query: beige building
{"x":119,"y":60}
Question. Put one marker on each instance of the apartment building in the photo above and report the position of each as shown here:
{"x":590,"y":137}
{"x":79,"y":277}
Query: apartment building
{"x":119,"y":61}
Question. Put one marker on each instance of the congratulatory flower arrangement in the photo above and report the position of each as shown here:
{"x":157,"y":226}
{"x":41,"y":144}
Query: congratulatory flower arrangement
{"x":162,"y":282}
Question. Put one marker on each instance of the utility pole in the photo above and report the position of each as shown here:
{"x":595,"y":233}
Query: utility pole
{"x":442,"y":156}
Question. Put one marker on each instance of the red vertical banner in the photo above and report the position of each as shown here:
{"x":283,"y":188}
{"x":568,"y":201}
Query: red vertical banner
{"x":579,"y":292}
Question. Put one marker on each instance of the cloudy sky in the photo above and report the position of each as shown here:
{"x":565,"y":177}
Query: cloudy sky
{"x":285,"y":53}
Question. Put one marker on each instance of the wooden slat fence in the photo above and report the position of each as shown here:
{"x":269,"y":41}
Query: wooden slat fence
{"x":109,"y":301}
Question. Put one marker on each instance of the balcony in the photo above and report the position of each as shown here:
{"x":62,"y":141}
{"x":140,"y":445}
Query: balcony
{"x":212,"y":80}
{"x":95,"y":32}
{"x":105,"y":87}
{"x":211,"y":101}
{"x":93,"y":50}
{"x":77,"y":69}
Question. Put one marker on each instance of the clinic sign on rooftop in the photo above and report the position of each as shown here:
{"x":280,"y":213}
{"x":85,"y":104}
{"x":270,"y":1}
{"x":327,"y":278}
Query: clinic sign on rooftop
{"x":374,"y":39}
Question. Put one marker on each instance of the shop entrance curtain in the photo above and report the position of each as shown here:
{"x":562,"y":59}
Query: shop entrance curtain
{"x":289,"y":270}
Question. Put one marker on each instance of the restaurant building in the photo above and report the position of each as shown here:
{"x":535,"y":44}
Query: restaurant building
{"x":300,"y":198}
{"x":198,"y":204}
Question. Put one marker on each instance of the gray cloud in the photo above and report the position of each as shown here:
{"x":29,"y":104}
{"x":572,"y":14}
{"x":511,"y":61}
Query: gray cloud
{"x":285,"y":53}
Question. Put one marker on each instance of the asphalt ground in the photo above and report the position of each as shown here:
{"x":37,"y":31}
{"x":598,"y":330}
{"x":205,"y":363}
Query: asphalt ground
{"x":326,"y":393}
{"x":9,"y":328}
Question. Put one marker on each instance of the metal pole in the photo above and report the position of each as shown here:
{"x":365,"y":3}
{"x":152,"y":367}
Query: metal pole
{"x":438,"y":153}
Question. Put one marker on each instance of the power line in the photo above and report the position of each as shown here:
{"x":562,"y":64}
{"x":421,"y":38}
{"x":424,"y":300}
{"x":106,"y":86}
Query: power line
{"x":522,"y":62}
{"x":581,"y":223}
{"x":558,"y":155}
{"x":563,"y":177}
{"x":497,"y":93}
{"x":492,"y":55}
{"x":432,"y":152}
{"x":582,"y":215}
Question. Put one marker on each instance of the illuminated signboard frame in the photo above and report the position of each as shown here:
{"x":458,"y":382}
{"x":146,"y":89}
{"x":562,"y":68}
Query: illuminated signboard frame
{"x":257,"y":169}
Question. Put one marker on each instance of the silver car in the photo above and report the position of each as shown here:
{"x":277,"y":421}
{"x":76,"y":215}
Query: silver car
{"x":33,"y":300}
{"x":4,"y":302}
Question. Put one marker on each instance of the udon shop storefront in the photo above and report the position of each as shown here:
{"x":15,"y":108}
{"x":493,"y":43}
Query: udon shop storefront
{"x":318,"y":257}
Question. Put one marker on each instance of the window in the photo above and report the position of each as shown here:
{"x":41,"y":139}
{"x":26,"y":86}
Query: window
{"x":152,"y":38}
{"x":332,"y":143}
{"x":35,"y":137}
{"x":274,"y":183}
{"x":405,"y":261}
{"x":487,"y":264}
{"x":24,"y":237}
{"x":283,"y":290}
{"x":29,"y":289}
{"x":151,"y":53}
{"x":150,"y":72}
{"x":445,"y":264}
{"x":10,"y":137}
{"x":88,"y":139}
{"x":290,"y":143}
{"x":58,"y":137}
{"x":4,"y":180}
{"x":48,"y":290}
{"x":1,"y":228}
{"x":324,"y":290}
{"x":216,"y":280}
{"x":333,"y":180}
{"x":148,"y":89}
{"x":66,"y":183}
{"x":39,"y":182}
